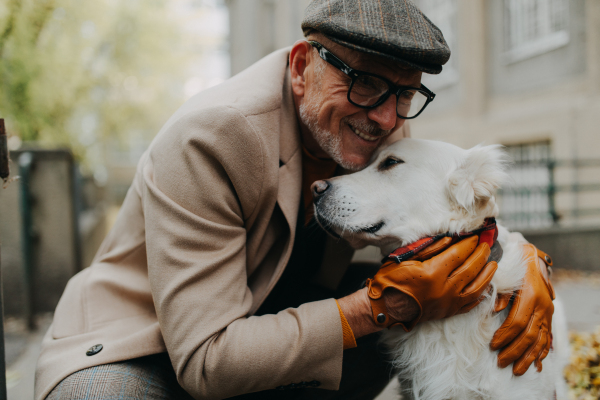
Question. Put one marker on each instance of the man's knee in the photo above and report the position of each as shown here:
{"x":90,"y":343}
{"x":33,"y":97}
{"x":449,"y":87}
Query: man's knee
{"x":149,"y":377}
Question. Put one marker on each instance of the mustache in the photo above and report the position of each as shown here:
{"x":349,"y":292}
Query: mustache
{"x":370,"y":128}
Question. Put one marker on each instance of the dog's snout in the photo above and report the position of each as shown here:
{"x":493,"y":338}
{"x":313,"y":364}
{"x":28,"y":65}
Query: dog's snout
{"x":319,"y":188}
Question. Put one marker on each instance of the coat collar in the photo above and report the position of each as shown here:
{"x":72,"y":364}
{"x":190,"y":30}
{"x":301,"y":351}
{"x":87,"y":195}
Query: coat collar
{"x":289,"y":142}
{"x":290,"y":155}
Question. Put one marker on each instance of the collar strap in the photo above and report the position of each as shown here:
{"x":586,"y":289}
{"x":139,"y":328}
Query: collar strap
{"x":488,"y":233}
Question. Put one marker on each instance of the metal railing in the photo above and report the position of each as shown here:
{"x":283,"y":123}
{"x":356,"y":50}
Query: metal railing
{"x":4,"y":173}
{"x":548,"y":193}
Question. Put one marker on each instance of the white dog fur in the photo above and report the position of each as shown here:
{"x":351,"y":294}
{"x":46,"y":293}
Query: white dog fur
{"x":417,"y":188}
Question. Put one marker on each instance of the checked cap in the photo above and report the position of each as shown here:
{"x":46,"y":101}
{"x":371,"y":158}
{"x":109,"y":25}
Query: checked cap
{"x":395,"y":29}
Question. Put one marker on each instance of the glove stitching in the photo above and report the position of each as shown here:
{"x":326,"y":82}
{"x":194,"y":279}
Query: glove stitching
{"x":484,"y":283}
{"x":524,"y":360}
{"x":511,"y":347}
{"x":546,"y":349}
{"x":475,"y":255}
{"x":506,"y":325}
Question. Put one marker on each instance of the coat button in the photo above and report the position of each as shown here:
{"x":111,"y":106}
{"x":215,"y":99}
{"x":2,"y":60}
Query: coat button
{"x":381,"y":318}
{"x":95,"y":349}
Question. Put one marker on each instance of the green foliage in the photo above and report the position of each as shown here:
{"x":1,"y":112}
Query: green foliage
{"x":79,"y":73}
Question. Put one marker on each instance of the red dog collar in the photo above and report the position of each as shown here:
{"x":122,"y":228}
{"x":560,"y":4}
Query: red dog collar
{"x":488,"y":233}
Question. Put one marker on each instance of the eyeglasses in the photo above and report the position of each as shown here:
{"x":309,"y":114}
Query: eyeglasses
{"x":369,"y":90}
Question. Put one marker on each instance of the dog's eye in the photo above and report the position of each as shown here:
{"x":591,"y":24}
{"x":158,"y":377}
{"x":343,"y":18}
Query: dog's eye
{"x":389,"y":163}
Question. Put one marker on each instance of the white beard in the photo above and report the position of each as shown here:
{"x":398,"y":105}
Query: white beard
{"x":329,"y":143}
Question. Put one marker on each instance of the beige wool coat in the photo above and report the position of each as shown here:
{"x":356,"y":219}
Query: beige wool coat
{"x":203,"y":235}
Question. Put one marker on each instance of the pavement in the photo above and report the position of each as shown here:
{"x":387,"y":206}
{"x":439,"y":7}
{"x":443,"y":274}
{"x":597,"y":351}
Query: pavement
{"x":579,"y":292}
{"x":22,"y":350}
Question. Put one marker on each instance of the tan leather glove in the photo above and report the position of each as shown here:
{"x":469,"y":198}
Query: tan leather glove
{"x":526,"y":334}
{"x":448,"y":284}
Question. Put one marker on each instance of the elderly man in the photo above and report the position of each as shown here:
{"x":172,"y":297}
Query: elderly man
{"x":215,"y":280}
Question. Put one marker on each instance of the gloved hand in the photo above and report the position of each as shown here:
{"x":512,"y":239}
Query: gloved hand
{"x":526,"y":334}
{"x":448,"y":284}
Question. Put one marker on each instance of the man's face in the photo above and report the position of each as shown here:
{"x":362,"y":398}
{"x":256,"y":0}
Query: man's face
{"x":347,"y":133}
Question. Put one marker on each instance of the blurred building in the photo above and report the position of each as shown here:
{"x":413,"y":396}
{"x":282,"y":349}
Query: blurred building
{"x":203,"y":31}
{"x":259,"y":27}
{"x":523,"y":73}
{"x":54,"y":218}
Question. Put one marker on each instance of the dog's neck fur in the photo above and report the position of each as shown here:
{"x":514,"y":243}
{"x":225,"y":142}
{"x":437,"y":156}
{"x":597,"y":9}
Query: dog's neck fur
{"x":465,"y":220}
{"x":461,"y":221}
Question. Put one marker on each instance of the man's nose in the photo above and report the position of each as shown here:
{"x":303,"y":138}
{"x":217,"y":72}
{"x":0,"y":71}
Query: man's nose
{"x":385,"y":114}
{"x":319,"y":188}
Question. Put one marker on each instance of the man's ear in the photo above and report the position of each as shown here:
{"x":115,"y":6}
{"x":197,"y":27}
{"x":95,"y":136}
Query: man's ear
{"x":475,"y":181}
{"x":299,"y":57}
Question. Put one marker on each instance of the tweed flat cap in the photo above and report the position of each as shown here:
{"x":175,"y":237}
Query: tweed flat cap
{"x":395,"y":29}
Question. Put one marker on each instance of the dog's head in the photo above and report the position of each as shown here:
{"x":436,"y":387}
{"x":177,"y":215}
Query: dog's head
{"x":413,"y":188}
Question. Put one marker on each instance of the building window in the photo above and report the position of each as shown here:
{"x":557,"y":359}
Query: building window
{"x":526,"y":202}
{"x":533,"y":27}
{"x":443,"y":13}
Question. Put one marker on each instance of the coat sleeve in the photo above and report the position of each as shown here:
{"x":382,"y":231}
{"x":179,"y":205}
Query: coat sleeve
{"x":201,"y":182}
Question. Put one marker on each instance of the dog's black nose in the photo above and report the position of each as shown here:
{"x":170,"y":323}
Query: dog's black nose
{"x":319,"y":188}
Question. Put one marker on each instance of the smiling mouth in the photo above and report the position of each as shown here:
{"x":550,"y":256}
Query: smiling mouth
{"x":373,"y":228}
{"x":363,"y":135}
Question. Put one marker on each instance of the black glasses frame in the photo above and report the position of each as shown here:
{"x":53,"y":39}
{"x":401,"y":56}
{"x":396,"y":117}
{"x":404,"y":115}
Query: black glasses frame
{"x":354,"y":74}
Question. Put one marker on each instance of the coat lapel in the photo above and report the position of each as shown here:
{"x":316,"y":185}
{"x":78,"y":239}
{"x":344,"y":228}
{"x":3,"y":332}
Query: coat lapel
{"x":289,"y":182}
{"x":290,"y":159}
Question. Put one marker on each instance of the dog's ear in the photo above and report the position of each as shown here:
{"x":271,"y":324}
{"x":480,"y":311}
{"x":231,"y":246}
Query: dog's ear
{"x":476,"y":179}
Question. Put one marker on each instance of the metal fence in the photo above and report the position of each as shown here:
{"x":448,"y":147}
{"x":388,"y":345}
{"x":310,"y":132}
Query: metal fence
{"x":4,"y":173}
{"x":545,"y":193}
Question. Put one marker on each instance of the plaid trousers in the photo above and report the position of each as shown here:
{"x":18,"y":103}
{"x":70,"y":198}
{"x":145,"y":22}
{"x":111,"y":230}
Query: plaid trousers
{"x":365,"y":373}
{"x":146,"y":378}
{"x":365,"y":369}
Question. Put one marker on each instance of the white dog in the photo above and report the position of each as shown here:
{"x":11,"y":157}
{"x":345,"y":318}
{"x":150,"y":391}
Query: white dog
{"x":419,"y":188}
